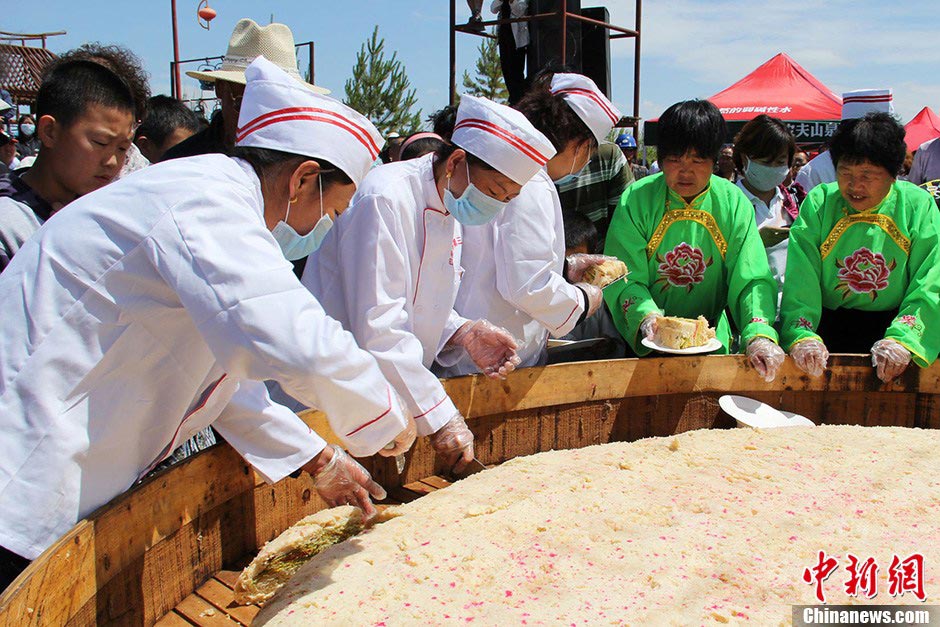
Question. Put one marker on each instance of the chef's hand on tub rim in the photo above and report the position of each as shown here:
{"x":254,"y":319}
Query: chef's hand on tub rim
{"x":341,"y":480}
{"x":454,"y":442}
{"x":491,"y":348}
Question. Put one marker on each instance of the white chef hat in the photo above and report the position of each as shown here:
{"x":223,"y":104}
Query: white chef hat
{"x":859,"y":103}
{"x":502,"y":137}
{"x":279,"y":113}
{"x":581,"y":93}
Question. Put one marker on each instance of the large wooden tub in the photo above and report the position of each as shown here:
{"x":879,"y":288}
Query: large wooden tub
{"x":166,"y":551}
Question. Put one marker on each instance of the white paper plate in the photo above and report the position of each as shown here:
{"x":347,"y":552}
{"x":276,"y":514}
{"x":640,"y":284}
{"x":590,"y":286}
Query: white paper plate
{"x":750,"y":412}
{"x":709,"y":347}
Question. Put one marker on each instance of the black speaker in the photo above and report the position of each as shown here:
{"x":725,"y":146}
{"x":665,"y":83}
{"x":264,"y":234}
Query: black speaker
{"x":595,"y":48}
{"x":545,"y":37}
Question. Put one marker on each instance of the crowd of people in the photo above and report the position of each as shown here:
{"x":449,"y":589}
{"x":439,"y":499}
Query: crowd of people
{"x":272,"y":261}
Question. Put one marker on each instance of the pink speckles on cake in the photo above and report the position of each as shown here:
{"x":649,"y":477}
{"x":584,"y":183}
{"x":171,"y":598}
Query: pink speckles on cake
{"x":698,"y":540}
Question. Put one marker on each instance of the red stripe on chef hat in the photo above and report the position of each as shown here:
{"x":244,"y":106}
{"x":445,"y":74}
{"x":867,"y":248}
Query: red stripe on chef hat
{"x":590,"y":104}
{"x":502,"y":137}
{"x":278,"y":113}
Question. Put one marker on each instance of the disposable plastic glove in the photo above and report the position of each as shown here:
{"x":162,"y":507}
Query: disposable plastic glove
{"x":765,"y":357}
{"x":579,"y":263}
{"x":342,"y":481}
{"x":491,"y":348}
{"x":402,"y":441}
{"x":595,"y":297}
{"x":811,"y":356}
{"x":889,"y":359}
{"x":454,"y":442}
{"x":649,"y":325}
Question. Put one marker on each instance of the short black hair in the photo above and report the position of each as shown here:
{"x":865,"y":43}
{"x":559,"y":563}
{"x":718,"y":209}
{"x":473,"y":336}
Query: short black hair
{"x":763,"y":138}
{"x":264,"y":159}
{"x":419,"y":148}
{"x":164,"y":116}
{"x":691,"y":125}
{"x":551,"y":114}
{"x":877,"y":138}
{"x":443,"y":121}
{"x":579,"y":230}
{"x":93,"y":74}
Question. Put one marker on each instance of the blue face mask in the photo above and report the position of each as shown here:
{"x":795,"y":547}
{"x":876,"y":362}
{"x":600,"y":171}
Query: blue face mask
{"x":27,"y":130}
{"x":764,"y":178}
{"x":296,"y":246}
{"x":473,"y":208}
{"x":573,"y":176}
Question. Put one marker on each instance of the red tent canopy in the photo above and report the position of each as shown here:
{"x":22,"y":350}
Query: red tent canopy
{"x":781,"y":88}
{"x":924,"y":127}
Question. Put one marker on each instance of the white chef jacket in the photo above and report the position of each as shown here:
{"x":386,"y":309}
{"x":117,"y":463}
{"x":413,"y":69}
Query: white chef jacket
{"x":142,"y":313}
{"x":389,"y":270}
{"x":819,"y":170}
{"x":513,"y":276}
{"x":772,"y":215}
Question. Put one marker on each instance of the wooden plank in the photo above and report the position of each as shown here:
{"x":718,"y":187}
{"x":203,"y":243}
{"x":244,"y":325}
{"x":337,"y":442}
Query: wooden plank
{"x":563,"y":384}
{"x":173,"y":620}
{"x":56,"y":586}
{"x":403,"y":495}
{"x":200,"y":612}
{"x":436,"y":482}
{"x":420,"y":488}
{"x":223,"y":598}
{"x":228,"y":577}
{"x":159,"y":507}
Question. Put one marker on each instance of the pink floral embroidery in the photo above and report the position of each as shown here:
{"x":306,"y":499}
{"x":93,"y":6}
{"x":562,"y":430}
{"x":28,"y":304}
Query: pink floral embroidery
{"x":863,"y":272}
{"x":803,"y":323}
{"x":683,"y":266}
{"x":910,"y":321}
{"x":627,"y":303}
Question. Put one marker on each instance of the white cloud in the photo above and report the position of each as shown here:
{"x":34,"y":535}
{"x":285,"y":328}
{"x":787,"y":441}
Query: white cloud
{"x":846,"y":44}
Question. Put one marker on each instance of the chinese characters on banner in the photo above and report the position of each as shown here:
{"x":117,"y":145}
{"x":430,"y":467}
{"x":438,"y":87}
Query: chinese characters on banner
{"x":904,"y":576}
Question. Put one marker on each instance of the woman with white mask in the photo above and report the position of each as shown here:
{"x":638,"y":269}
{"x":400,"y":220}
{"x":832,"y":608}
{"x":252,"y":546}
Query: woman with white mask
{"x":763,"y":153}
{"x":171,"y":306}
{"x":516,"y":272}
{"x":390,"y":268}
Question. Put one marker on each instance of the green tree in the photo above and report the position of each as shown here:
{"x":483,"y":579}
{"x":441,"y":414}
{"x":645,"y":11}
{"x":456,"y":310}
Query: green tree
{"x":380,"y":90}
{"x":488,"y":81}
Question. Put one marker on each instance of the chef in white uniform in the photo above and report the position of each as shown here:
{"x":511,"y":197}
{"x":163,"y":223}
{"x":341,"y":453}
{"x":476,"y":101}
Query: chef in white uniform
{"x":515,"y":266}
{"x":390,"y":267}
{"x":155,"y":307}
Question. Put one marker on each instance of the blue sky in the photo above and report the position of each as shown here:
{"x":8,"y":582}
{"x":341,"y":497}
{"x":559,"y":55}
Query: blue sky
{"x":691,"y":48}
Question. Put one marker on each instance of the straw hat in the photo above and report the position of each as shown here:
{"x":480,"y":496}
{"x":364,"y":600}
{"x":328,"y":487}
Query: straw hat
{"x":274,"y":42}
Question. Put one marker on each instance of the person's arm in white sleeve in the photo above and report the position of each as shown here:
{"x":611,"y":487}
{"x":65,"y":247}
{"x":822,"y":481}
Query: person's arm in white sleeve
{"x":261,"y":323}
{"x":528,"y":274}
{"x":269,"y":436}
{"x":375,"y":277}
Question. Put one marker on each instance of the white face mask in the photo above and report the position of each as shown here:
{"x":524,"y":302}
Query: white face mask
{"x":296,"y":246}
{"x":763,"y":177}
